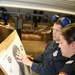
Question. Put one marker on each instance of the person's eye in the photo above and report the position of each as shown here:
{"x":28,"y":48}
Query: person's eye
{"x":60,"y":42}
{"x":55,"y":30}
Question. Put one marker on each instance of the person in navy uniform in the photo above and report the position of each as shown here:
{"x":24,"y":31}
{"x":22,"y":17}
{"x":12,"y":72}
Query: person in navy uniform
{"x":67,"y":45}
{"x":51,"y":61}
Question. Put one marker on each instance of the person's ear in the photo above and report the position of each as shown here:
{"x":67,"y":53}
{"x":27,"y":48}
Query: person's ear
{"x":73,"y":44}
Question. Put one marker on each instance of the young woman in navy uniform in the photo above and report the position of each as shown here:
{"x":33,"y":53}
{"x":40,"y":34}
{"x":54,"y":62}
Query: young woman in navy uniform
{"x":51,"y":61}
{"x":67,"y":45}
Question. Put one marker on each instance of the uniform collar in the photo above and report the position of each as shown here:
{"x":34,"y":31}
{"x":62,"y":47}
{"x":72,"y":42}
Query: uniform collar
{"x":71,"y":60}
{"x":72,"y":57}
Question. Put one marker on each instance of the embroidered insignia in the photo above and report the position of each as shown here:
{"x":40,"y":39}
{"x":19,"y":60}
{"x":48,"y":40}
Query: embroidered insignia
{"x":70,"y":62}
{"x":63,"y":73}
{"x":55,"y":53}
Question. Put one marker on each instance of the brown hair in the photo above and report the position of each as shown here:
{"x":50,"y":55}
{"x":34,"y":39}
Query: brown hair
{"x":69,"y":33}
{"x":58,"y":21}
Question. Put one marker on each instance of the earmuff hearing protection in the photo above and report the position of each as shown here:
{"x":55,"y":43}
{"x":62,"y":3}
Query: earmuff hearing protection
{"x":55,"y":18}
{"x":28,"y":16}
{"x":45,"y":19}
{"x":64,"y":21}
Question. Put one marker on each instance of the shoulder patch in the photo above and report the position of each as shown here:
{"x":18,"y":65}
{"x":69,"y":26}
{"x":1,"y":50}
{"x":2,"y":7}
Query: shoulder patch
{"x":55,"y":53}
{"x":70,"y":62}
{"x":63,"y":73}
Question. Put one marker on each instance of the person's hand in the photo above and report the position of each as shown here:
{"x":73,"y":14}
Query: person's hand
{"x":21,"y":57}
{"x":30,"y":57}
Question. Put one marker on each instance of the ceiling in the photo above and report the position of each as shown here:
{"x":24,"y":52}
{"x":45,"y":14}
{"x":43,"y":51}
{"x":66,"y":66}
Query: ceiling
{"x":49,"y":6}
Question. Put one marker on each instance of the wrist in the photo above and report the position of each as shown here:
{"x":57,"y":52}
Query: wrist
{"x":30,"y":64}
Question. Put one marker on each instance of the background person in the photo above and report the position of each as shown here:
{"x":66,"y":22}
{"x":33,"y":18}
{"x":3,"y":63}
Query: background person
{"x":67,"y":45}
{"x":51,"y":61}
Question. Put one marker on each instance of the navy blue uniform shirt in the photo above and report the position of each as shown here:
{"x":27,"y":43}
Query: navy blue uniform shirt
{"x":69,"y":67}
{"x":50,"y":62}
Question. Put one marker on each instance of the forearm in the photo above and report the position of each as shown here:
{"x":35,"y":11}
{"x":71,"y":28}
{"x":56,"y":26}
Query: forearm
{"x":38,"y":59}
{"x":43,"y":70}
{"x":36,"y":67}
{"x":29,"y":63}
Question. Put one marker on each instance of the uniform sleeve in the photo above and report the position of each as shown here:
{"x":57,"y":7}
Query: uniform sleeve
{"x":68,"y":68}
{"x":36,"y":67}
{"x":38,"y":59}
{"x":59,"y":64}
{"x":48,"y":69}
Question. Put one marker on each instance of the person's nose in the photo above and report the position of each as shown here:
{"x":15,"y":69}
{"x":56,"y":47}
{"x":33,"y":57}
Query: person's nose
{"x":59,"y":45}
{"x":54,"y":32}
